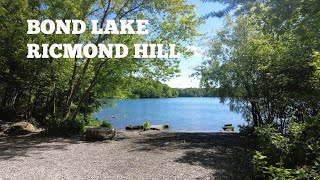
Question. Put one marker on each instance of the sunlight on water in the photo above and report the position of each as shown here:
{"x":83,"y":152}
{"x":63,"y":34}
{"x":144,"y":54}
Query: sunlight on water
{"x":181,"y":114}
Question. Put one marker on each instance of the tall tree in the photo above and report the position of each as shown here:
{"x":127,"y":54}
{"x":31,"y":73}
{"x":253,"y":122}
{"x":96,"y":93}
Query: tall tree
{"x":66,"y":88}
{"x":264,"y":61}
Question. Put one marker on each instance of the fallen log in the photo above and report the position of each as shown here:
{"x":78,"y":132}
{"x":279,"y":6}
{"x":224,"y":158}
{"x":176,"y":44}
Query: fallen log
{"x":130,"y":127}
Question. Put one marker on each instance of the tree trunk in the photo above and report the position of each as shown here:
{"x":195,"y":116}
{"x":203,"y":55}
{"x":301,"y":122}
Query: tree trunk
{"x":254,"y":115}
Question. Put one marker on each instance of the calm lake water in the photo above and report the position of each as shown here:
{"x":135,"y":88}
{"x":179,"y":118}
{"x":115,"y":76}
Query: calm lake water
{"x":181,"y":114}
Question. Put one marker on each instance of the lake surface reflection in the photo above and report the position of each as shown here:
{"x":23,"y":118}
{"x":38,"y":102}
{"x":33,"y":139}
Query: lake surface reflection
{"x":181,"y":114}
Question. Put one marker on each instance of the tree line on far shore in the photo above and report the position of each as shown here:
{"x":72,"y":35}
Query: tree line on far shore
{"x":198,"y":92}
{"x":146,"y":88}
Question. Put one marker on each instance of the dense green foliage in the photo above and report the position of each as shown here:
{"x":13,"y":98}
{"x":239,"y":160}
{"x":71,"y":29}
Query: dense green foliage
{"x":146,"y":125}
{"x":192,"y":92}
{"x":197,"y":92}
{"x":60,"y":92}
{"x":106,"y":123}
{"x":146,"y":88}
{"x":295,"y":155}
{"x":266,"y":62}
{"x":92,"y":121}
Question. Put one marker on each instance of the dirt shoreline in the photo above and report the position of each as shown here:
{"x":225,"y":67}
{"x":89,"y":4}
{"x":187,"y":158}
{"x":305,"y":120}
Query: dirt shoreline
{"x":135,"y":155}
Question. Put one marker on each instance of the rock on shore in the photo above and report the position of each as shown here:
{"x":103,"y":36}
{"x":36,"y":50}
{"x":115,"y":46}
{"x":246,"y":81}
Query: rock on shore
{"x":20,"y":128}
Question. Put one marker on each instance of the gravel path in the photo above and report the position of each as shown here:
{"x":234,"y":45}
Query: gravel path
{"x":147,"y":155}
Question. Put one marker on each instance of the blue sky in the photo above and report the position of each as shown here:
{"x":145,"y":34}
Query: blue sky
{"x":186,"y":65}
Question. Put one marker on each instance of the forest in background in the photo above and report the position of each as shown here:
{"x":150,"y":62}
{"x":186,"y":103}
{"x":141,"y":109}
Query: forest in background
{"x":146,"y":88}
{"x":266,"y":63}
{"x":198,"y":92}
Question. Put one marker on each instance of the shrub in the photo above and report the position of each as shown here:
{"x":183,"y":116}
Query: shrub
{"x":92,"y":121}
{"x":259,"y":162}
{"x":305,"y":138}
{"x":66,"y":127}
{"x":146,"y":126}
{"x":106,"y":123}
{"x":279,"y":172}
{"x":246,"y":130}
{"x":295,"y":155}
{"x":308,"y":172}
{"x":272,"y":143}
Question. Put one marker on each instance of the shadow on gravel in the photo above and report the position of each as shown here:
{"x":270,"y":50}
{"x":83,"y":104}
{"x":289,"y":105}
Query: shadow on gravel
{"x":225,"y":153}
{"x":15,"y":146}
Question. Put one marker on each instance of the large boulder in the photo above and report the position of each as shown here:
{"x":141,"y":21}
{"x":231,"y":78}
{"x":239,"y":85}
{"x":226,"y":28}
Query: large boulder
{"x":99,"y":133}
{"x":20,"y":128}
